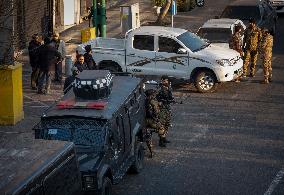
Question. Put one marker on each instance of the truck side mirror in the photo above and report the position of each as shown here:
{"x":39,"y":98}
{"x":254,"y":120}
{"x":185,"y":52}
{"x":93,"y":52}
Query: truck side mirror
{"x":200,"y":3}
{"x":182,"y":51}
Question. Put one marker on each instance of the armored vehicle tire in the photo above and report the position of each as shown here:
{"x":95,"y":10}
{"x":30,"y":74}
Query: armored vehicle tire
{"x":205,"y":81}
{"x":139,"y":159}
{"x":107,"y":187}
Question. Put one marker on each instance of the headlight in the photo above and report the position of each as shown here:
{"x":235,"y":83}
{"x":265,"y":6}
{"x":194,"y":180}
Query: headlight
{"x":224,"y":62}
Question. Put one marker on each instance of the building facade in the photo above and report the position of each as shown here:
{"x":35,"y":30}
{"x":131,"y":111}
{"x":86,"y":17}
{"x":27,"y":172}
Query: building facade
{"x":20,"y":19}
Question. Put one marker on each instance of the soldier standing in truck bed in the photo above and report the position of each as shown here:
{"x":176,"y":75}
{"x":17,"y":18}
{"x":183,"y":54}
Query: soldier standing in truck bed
{"x":166,"y":98}
{"x":153,"y":121}
{"x":236,"y":42}
{"x":252,"y":37}
{"x":266,"y":54}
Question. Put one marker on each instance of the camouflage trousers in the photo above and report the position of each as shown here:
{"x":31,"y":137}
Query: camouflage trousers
{"x":153,"y":126}
{"x":267,"y":67}
{"x":157,"y":126}
{"x":165,"y":116}
{"x":250,"y":56}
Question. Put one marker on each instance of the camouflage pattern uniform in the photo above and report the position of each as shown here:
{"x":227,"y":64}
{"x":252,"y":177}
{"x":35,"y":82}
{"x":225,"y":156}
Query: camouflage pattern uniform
{"x":252,"y":37}
{"x":266,"y":54}
{"x":236,"y":42}
{"x":166,"y":98}
{"x":153,"y":121}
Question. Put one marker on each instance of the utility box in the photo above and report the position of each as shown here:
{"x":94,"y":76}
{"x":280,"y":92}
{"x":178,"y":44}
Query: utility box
{"x":129,"y":17}
{"x":88,"y":34}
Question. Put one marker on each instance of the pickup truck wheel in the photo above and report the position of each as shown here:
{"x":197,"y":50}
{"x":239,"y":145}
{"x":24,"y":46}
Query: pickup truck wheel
{"x":205,"y":81}
{"x":139,"y":159}
{"x":106,"y":188}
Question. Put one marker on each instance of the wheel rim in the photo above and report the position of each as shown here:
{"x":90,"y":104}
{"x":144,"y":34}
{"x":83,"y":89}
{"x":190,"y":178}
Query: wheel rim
{"x":206,"y":83}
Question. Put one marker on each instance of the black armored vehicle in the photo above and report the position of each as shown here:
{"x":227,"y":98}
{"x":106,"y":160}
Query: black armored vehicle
{"x":104,"y":115}
{"x":37,"y":167}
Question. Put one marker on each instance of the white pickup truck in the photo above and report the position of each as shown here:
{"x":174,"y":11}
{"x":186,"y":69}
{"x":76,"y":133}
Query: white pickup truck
{"x":178,"y":53}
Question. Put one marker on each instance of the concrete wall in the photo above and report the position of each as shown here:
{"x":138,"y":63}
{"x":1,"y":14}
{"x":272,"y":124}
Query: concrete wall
{"x":36,"y":18}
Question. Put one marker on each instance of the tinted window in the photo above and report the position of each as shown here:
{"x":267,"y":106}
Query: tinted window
{"x":215,"y":35}
{"x":192,"y":41}
{"x":168,"y":45}
{"x":241,"y":12}
{"x":143,"y":42}
{"x":80,"y":131}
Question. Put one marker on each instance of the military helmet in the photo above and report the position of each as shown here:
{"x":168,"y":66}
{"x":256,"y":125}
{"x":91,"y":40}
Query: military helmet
{"x":88,"y":48}
{"x":265,"y":30}
{"x":252,"y":20}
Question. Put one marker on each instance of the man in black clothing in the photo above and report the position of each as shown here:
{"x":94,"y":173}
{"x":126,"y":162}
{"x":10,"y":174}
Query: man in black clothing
{"x":69,"y":80}
{"x":80,"y":63}
{"x":89,"y":58}
{"x":33,"y":48}
{"x":48,"y":56}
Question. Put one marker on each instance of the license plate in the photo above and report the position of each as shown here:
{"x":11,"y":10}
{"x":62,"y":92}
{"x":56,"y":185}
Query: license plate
{"x":52,"y":131}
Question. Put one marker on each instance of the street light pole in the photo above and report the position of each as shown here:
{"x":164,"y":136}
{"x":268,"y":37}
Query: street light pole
{"x":94,"y":17}
{"x":103,"y":18}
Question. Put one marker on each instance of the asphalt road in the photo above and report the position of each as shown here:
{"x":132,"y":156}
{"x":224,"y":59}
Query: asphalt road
{"x":227,"y":142}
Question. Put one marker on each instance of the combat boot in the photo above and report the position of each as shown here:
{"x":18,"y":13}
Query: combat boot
{"x":167,"y":141}
{"x":264,"y":82}
{"x":162,"y":142}
{"x":251,"y":75}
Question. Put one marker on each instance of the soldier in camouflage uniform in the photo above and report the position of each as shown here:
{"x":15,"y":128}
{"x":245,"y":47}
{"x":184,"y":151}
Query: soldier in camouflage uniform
{"x":252,"y":37}
{"x":166,"y":98}
{"x":236,"y":43}
{"x":266,"y":54}
{"x":153,"y":121}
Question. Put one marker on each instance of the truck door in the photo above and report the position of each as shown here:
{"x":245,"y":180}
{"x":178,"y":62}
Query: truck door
{"x":140,"y":55}
{"x":122,"y":148}
{"x":127,"y":129}
{"x":169,"y":61}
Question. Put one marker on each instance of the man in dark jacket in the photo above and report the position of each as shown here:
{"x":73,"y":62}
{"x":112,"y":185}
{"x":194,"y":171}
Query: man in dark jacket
{"x":48,"y":56}
{"x":80,"y":63}
{"x":33,"y":48}
{"x":89,"y":58}
{"x":69,"y":80}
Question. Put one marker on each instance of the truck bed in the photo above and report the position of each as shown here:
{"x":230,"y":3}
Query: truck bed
{"x":106,"y":43}
{"x":22,"y":159}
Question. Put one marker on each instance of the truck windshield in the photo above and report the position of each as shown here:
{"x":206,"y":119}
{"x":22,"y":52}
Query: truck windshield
{"x":79,"y":131}
{"x":215,"y":35}
{"x":192,"y":41}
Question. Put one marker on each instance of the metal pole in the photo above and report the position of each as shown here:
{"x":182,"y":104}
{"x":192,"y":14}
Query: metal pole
{"x":172,"y":20}
{"x":103,"y":18}
{"x":95,"y":18}
{"x":172,"y":12}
